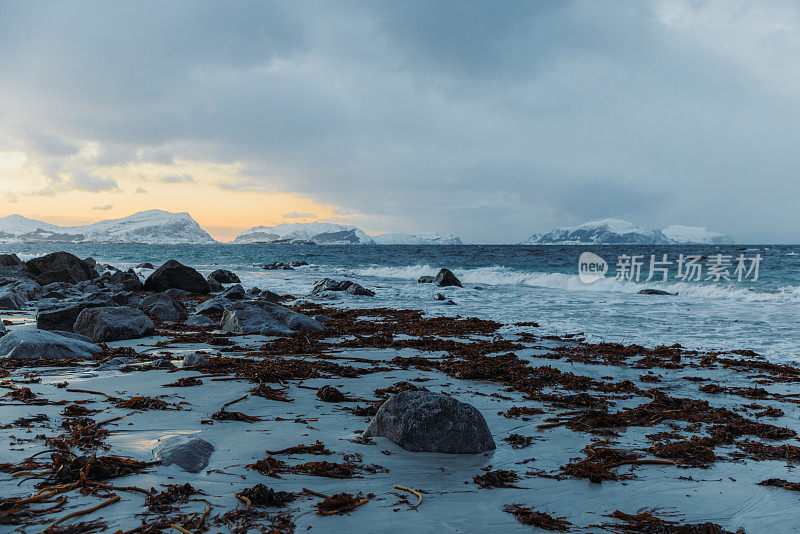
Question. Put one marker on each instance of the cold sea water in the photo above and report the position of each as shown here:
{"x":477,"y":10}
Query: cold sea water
{"x":514,"y":283}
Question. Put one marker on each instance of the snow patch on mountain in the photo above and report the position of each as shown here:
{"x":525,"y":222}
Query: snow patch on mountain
{"x":313,"y":232}
{"x":424,"y":238}
{"x":695,"y":235}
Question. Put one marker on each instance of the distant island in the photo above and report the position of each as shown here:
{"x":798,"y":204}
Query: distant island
{"x":618,"y":232}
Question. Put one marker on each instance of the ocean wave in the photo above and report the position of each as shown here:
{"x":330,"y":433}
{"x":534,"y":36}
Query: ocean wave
{"x":500,"y":276}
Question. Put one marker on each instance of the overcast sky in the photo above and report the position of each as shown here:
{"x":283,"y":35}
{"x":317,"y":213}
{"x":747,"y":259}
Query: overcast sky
{"x":493,"y":120}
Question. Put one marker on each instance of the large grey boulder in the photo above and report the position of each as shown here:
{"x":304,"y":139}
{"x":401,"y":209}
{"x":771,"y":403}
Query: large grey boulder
{"x":61,"y":267}
{"x":266,"y":318}
{"x":62,"y":316}
{"x":164,"y":307}
{"x":191,"y":456}
{"x":421,"y":421}
{"x":445,"y":277}
{"x":113,"y":324}
{"x":174,"y":274}
{"x":235,"y":292}
{"x":224,"y":277}
{"x":32,"y":344}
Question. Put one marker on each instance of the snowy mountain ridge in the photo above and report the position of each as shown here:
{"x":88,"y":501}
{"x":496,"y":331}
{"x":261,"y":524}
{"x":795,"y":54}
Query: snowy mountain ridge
{"x":619,"y":232}
{"x":147,"y":227}
{"x":424,"y":238}
{"x":313,"y":232}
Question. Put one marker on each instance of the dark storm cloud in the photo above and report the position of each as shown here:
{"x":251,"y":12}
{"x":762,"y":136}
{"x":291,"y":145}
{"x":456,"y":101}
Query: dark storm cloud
{"x":490,"y":119}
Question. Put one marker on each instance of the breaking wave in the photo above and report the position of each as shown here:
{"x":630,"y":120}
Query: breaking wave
{"x":500,"y":276}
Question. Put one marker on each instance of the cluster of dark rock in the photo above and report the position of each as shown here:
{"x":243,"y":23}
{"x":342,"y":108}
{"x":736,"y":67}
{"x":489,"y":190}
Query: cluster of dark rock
{"x":444,"y":278}
{"x":348,"y":286}
{"x":277,"y":265}
{"x":77,"y":307}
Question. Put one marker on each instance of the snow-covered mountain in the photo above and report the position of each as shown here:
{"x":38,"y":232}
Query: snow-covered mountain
{"x":695,"y":234}
{"x":605,"y":231}
{"x":147,"y":227}
{"x":616,"y":231}
{"x":425,"y":238}
{"x":313,"y":232}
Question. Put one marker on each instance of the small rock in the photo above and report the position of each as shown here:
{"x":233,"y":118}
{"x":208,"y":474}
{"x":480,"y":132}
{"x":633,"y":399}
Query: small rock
{"x":191,"y":456}
{"x":236,"y":292}
{"x":113,"y":324}
{"x":655,"y":292}
{"x":224,"y":277}
{"x":269,"y":296}
{"x":176,"y":293}
{"x":145,"y":265}
{"x":164,"y":307}
{"x":421,"y":421}
{"x":439,"y":296}
{"x":197,"y":358}
{"x":215,"y":306}
{"x":358,"y":289}
{"x":163,"y":363}
{"x":348,"y":286}
{"x":16,"y":295}
{"x":426,"y":279}
{"x":200,"y":320}
{"x":115,"y":363}
{"x":214,"y":286}
{"x":446,"y":278}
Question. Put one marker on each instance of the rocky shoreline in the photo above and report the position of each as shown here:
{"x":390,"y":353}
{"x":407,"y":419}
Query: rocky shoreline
{"x":176,"y":402}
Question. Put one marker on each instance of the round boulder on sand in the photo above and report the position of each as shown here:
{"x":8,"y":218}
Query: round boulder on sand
{"x":113,"y":324}
{"x":33,"y":344}
{"x":421,"y":421}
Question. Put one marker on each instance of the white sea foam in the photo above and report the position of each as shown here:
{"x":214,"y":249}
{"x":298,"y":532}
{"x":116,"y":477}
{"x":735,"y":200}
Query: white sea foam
{"x":499,"y":275}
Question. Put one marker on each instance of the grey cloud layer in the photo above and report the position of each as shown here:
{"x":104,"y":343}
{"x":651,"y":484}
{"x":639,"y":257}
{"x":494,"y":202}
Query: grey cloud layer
{"x":490,"y":119}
